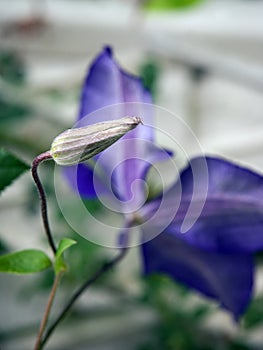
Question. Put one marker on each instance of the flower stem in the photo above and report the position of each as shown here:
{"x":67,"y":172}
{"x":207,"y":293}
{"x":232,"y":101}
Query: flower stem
{"x":39,"y":159}
{"x":38,"y":345}
{"x":106,"y":267}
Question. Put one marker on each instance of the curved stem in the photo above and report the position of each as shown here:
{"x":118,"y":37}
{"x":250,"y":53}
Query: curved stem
{"x":47,"y":312}
{"x":107,"y":266}
{"x":39,"y":159}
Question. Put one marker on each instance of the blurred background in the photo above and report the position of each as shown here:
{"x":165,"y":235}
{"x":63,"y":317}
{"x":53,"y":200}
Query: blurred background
{"x":202,"y":60}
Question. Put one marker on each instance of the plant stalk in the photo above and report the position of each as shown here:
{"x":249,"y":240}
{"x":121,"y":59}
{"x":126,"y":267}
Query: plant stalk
{"x":39,"y":159}
{"x":42,"y":327}
{"x":106,"y":267}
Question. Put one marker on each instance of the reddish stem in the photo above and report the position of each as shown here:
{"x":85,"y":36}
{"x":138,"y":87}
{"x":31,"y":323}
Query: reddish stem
{"x":39,"y":159}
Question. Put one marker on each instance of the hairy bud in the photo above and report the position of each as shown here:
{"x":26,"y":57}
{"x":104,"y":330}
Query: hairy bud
{"x":74,"y":146}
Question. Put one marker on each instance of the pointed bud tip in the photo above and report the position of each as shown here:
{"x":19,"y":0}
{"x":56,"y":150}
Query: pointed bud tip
{"x":137,"y":120}
{"x":132,"y":120}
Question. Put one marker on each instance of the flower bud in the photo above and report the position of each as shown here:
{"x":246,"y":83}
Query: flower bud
{"x":74,"y":146}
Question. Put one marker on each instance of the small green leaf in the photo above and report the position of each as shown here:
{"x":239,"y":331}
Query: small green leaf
{"x":64,"y":244}
{"x":10,"y":168}
{"x":24,"y":261}
{"x":170,"y":4}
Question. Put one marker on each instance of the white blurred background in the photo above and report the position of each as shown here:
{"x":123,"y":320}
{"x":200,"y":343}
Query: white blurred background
{"x":210,"y":59}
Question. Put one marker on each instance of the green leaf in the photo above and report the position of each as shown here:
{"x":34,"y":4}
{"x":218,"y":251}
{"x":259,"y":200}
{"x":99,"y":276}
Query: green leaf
{"x":170,"y":4}
{"x":12,"y":67}
{"x":254,"y":315}
{"x":149,"y":71}
{"x":11,"y":113}
{"x":64,"y":244}
{"x":10,"y":168}
{"x":24,"y":261}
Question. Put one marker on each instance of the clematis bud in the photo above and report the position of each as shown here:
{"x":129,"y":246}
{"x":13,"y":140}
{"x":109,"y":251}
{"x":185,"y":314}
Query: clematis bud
{"x":74,"y":146}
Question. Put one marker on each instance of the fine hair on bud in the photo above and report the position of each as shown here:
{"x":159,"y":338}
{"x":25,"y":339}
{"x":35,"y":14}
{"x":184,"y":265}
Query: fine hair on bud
{"x":74,"y":146}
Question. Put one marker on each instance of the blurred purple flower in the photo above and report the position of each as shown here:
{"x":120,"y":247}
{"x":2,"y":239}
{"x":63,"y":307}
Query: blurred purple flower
{"x":215,"y":255}
{"x":106,"y":85}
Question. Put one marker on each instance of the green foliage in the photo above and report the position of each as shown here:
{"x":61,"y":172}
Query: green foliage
{"x":11,"y":112}
{"x":149,"y":72}
{"x":83,"y":261}
{"x":12,"y":71}
{"x":12,"y":68}
{"x":170,"y":4}
{"x":3,"y":247}
{"x":254,"y":314}
{"x":64,"y":244}
{"x":24,"y":261}
{"x":92,"y":205}
{"x":181,"y":325}
{"x":10,"y":168}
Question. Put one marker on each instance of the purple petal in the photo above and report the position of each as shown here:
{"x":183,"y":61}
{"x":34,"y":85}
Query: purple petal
{"x":225,"y":277}
{"x":231,"y":218}
{"x":232,"y":227}
{"x":128,"y":168}
{"x":110,"y":93}
{"x":225,"y":177}
{"x":80,"y":178}
{"x":107,"y":84}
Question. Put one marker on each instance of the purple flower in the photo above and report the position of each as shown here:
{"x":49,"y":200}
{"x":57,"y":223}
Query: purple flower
{"x":108,"y":85}
{"x":217,"y":204}
{"x":215,"y":255}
